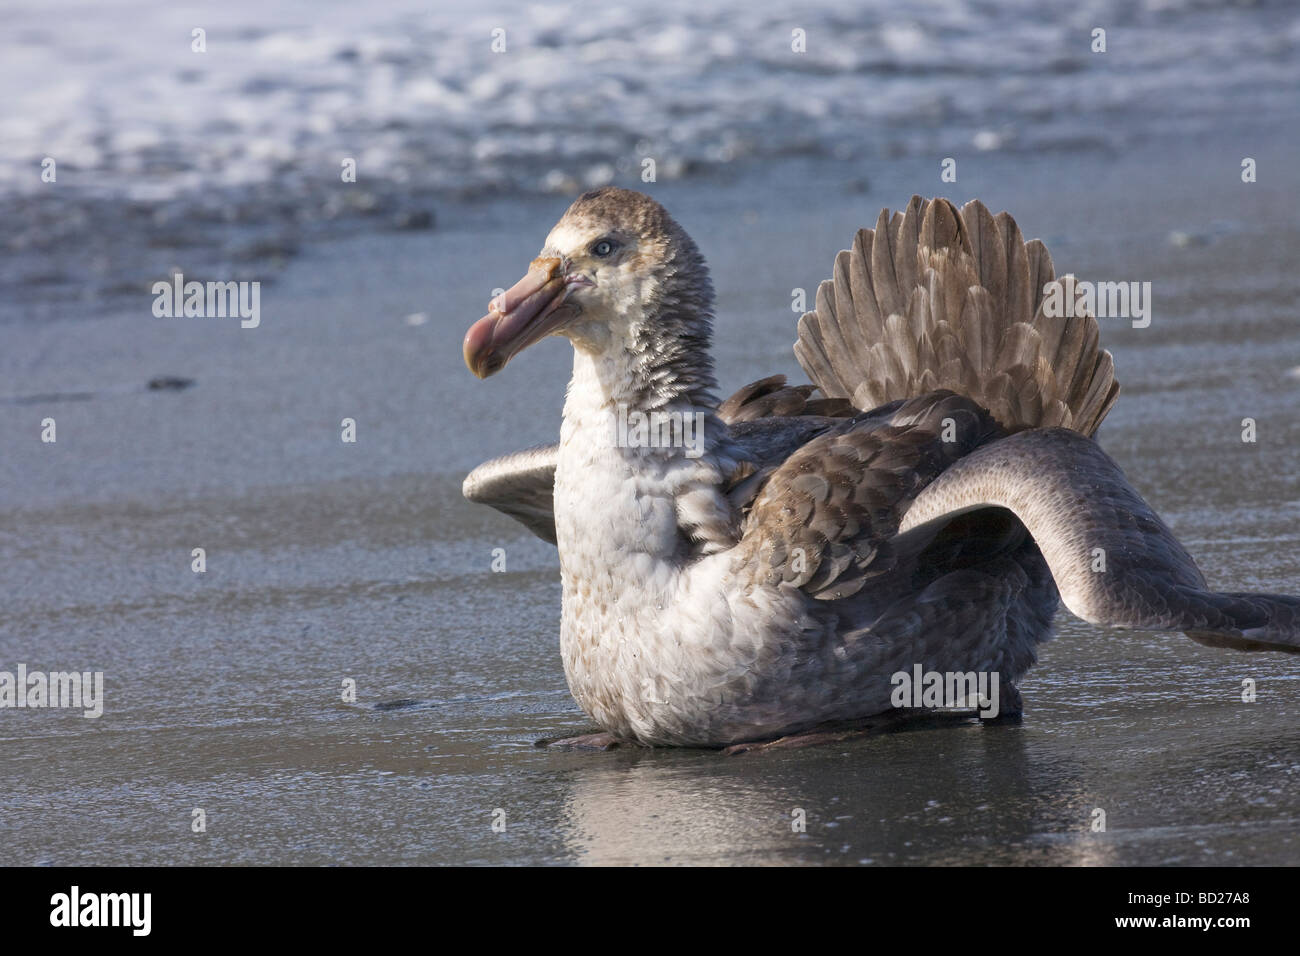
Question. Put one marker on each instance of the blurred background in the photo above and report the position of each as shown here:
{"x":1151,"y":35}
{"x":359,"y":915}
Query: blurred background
{"x":228,"y":159}
{"x":330,"y":561}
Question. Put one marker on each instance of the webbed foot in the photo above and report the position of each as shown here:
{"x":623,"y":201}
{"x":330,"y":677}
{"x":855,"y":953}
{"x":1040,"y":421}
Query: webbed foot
{"x":817,"y":737}
{"x":1010,"y":706}
{"x":601,"y":741}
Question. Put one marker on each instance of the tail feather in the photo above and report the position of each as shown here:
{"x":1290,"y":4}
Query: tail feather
{"x":934,"y":297}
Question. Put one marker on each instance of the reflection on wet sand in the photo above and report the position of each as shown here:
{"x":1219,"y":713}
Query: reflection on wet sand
{"x":941,"y":792}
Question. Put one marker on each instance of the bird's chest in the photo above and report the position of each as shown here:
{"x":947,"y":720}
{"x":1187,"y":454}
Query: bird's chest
{"x":612,"y":505}
{"x":617,"y":534}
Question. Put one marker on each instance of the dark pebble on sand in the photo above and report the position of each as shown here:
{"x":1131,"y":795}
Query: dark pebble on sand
{"x":396,"y":704}
{"x":413,"y":219}
{"x":267,"y":247}
{"x":169,"y":383}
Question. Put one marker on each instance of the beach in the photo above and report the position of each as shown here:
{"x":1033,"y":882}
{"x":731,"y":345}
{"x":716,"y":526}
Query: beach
{"x":328,"y":562}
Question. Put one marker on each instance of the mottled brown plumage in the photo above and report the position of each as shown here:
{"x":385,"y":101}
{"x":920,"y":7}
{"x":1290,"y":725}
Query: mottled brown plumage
{"x":933,"y":298}
{"x":918,"y":505}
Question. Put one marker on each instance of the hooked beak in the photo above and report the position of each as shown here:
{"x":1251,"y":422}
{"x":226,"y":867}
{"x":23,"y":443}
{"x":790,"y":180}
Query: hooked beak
{"x":526,"y":312}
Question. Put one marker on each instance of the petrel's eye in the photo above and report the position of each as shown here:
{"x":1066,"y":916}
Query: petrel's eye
{"x":604,"y":248}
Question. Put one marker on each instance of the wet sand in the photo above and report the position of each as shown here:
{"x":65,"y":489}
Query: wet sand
{"x":329,"y":561}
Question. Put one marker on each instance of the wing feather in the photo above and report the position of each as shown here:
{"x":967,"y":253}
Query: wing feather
{"x":932,"y":270}
{"x":1114,"y":561}
{"x":521,"y":485}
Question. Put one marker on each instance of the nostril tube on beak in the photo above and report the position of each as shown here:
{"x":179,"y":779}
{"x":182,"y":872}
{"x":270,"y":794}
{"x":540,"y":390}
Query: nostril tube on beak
{"x":540,"y":271}
{"x":550,"y":267}
{"x":516,"y":318}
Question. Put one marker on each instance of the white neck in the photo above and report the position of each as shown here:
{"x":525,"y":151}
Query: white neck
{"x":631,"y":481}
{"x":629,"y":522}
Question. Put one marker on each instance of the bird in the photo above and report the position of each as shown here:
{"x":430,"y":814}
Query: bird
{"x":759,"y":571}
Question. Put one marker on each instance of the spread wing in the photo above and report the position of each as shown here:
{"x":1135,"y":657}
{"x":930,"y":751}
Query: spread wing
{"x":826,"y":519}
{"x":521,"y":485}
{"x":940,"y":298}
{"x":1114,"y":561}
{"x":884,"y":499}
{"x":768,"y":420}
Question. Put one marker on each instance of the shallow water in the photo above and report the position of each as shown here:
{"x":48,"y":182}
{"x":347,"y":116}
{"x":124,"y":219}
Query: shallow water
{"x":225,"y":163}
{"x":460,"y":95}
{"x":328,"y":561}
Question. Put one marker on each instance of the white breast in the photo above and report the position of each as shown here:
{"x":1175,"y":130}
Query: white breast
{"x":649,"y":639}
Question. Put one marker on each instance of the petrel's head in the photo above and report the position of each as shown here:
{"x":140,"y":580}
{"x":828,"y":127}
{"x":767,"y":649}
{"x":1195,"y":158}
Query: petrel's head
{"x":616,"y":273}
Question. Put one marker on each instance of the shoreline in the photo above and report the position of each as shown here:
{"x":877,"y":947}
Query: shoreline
{"x":369,"y":326}
{"x":328,"y":561}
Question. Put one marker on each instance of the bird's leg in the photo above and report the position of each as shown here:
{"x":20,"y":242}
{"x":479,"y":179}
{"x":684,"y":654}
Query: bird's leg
{"x":600,"y":741}
{"x":825,"y":735}
{"x":1010,"y":706}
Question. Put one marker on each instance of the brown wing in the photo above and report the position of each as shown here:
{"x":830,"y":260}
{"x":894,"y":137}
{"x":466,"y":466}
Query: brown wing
{"x":521,"y":485}
{"x":768,"y":419}
{"x":1113,"y":559}
{"x":824,"y":518}
{"x":937,"y":298}
{"x":771,"y":397}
